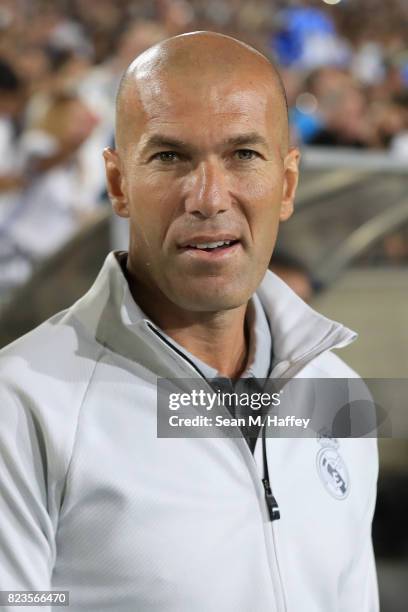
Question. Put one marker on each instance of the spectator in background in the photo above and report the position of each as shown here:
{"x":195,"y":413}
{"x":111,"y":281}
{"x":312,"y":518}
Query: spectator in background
{"x":56,"y":196}
{"x":342,"y":108}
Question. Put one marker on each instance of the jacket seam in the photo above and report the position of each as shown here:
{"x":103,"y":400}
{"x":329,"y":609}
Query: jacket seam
{"x":74,"y":444}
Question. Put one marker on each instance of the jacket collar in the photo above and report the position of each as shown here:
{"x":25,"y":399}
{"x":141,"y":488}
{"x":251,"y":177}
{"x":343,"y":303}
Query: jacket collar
{"x":109,"y":312}
{"x":299,"y":333}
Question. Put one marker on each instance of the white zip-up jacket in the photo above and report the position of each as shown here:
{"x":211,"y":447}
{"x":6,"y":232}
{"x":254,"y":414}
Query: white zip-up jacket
{"x":93,"y":502}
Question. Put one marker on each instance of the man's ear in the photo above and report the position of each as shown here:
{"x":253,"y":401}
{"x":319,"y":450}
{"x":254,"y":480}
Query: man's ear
{"x":115,"y":182}
{"x":291,"y":178}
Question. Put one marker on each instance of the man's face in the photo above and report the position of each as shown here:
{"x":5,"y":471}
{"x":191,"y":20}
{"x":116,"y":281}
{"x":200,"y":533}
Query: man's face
{"x":204,"y":165}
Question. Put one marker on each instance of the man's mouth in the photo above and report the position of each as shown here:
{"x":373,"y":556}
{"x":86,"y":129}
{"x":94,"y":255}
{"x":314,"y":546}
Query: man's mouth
{"x":212,"y":246}
{"x":206,"y":250}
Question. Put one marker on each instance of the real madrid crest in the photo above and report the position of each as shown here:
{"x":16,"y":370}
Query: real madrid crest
{"x":331,"y":468}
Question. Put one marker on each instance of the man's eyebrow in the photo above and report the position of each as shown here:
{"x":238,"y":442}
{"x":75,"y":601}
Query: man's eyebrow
{"x":252,"y":138}
{"x":159,"y":140}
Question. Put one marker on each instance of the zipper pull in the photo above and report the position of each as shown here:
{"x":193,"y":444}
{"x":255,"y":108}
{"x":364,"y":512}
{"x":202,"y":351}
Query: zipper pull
{"x":271,"y":502}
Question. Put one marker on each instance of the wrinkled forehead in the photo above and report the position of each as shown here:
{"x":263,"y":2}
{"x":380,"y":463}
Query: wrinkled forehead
{"x":206,"y":103}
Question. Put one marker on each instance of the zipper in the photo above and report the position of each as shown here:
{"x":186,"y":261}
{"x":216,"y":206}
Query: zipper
{"x":272,"y":504}
{"x":273,"y":508}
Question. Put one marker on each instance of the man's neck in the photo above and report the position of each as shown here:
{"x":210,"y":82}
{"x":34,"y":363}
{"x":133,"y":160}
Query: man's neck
{"x":219,"y":339}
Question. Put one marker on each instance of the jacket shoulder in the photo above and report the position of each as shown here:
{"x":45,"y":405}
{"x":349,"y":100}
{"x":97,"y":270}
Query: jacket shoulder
{"x":52,"y":349}
{"x":44,"y":376}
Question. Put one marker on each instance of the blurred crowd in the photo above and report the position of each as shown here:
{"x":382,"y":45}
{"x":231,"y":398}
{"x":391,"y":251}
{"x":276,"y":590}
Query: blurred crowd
{"x":344,"y":64}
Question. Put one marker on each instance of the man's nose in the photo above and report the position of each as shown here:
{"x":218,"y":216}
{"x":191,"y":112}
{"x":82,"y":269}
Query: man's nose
{"x":208,"y":192}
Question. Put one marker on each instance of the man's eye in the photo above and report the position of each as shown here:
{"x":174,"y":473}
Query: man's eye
{"x":246,"y":154}
{"x":166,"y":156}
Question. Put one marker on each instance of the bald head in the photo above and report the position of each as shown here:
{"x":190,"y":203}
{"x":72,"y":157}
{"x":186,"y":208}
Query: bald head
{"x":194,"y":62}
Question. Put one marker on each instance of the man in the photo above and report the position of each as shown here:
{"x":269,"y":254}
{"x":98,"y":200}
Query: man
{"x":92,"y":500}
